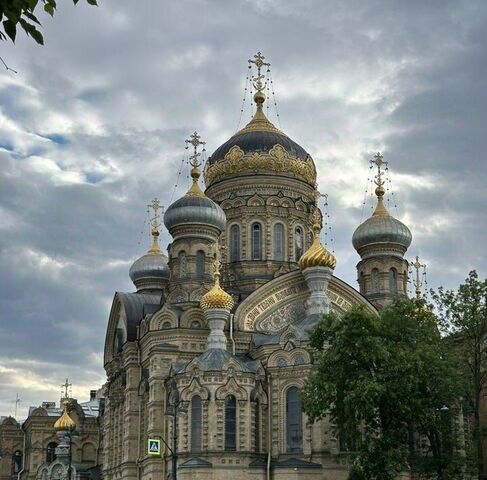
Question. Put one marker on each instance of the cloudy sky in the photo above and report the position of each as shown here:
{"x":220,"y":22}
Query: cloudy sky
{"x":93,"y":126}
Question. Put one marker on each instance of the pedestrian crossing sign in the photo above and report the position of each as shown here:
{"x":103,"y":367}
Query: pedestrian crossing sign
{"x":153,"y":446}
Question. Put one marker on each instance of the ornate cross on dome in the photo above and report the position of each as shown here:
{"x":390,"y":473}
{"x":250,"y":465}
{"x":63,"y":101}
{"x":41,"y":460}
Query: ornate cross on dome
{"x":155,"y":205}
{"x":259,"y":63}
{"x":195,"y":140}
{"x":417,"y":265}
{"x":65,"y":389}
{"x":378,"y":160}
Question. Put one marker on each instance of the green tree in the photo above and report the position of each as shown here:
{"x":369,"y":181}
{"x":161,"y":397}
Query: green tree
{"x":23,"y":12}
{"x":463,"y":319}
{"x":380,"y":378}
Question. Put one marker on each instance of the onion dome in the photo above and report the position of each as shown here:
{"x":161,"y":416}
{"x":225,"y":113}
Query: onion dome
{"x":64,"y":422}
{"x":148,"y":271}
{"x":216,"y":297}
{"x":195,"y":208}
{"x":381,"y":228}
{"x":317,"y":255}
{"x":259,"y":147}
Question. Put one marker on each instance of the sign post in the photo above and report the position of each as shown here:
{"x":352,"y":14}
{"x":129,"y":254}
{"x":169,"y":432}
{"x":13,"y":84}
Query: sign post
{"x":154,"y":447}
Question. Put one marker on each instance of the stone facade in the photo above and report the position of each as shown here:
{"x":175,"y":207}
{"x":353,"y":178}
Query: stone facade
{"x":29,"y":451}
{"x":219,"y":385}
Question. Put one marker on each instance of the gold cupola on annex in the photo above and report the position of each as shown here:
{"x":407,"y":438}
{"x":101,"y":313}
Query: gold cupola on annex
{"x":317,"y":255}
{"x":216,"y":297}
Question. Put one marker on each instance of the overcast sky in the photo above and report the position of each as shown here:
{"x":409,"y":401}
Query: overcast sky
{"x":93,"y":126}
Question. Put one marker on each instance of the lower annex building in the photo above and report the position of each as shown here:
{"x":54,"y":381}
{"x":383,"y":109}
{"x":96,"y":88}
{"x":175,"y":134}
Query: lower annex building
{"x":210,"y":354}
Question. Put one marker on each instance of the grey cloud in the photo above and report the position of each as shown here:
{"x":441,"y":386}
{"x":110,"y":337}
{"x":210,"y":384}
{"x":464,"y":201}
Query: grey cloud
{"x":93,"y":127}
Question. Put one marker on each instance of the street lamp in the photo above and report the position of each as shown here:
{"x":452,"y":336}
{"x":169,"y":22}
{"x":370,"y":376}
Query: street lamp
{"x":176,"y":408}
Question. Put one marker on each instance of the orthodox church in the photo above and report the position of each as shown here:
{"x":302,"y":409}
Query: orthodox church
{"x":206,"y":359}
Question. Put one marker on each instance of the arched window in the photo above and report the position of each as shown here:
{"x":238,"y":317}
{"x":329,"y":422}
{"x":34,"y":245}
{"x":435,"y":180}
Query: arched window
{"x":298,"y":243}
{"x":234,"y":243}
{"x":200,"y":264}
{"x":278,"y":237}
{"x":183,"y":265}
{"x":17,"y":462}
{"x":51,"y":452}
{"x":257,"y":426}
{"x":196,"y":424}
{"x":405,"y":281}
{"x":294,"y":421}
{"x":375,"y":281}
{"x":119,"y":340}
{"x":230,"y":423}
{"x":393,"y":280}
{"x":256,"y":241}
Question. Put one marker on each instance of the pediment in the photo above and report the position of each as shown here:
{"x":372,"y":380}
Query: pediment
{"x":281,"y":301}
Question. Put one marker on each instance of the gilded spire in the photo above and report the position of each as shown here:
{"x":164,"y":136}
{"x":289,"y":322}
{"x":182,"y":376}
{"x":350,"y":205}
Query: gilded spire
{"x":64,"y":422}
{"x":155,"y":249}
{"x":317,"y":255}
{"x":216,"y":297}
{"x":380,"y":209}
{"x":195,"y":141}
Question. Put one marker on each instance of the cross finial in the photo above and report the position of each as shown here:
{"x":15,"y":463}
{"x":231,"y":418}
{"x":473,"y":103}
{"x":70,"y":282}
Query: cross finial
{"x":65,"y":389}
{"x":417,"y":265}
{"x":155,"y":205}
{"x":195,"y":140}
{"x":259,"y":86}
{"x":378,"y":161}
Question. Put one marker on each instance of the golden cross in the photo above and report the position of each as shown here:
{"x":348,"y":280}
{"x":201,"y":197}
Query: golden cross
{"x":195,"y":140}
{"x":259,"y":63}
{"x":156,"y":206}
{"x":65,"y":389}
{"x":378,"y":160}
{"x":417,"y":265}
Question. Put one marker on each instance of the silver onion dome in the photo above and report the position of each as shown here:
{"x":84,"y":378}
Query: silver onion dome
{"x":381,"y":229}
{"x":195,"y":210}
{"x":150,"y":272}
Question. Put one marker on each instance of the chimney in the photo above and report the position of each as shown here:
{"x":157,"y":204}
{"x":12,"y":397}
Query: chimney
{"x":92,"y":395}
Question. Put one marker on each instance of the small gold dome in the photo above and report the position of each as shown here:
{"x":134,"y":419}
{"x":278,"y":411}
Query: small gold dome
{"x":317,"y":255}
{"x":216,"y":297}
{"x":64,"y":422}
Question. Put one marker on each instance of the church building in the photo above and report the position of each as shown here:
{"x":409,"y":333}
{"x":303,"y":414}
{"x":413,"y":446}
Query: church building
{"x":205,"y":360}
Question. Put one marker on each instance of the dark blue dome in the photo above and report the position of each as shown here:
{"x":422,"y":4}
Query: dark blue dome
{"x":259,"y":142}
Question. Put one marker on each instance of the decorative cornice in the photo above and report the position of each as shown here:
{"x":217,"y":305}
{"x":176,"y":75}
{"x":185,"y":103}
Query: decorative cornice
{"x":277,"y":160}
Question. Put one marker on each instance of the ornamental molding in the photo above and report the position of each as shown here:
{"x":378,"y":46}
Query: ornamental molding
{"x":277,"y":160}
{"x":284,"y":296}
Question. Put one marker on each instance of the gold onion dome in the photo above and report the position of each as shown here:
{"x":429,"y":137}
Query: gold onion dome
{"x":64,"y":422}
{"x":317,"y":255}
{"x":216,"y":297}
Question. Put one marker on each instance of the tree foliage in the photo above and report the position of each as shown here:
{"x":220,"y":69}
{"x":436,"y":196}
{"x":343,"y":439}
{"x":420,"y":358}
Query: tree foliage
{"x":385,"y":381}
{"x":23,"y":13}
{"x":463,"y":320}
